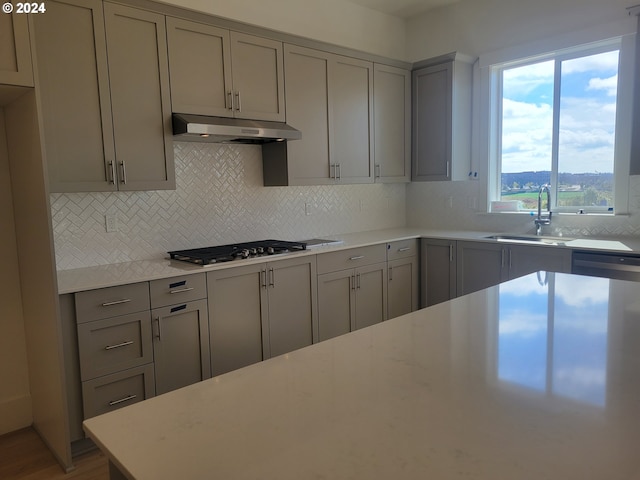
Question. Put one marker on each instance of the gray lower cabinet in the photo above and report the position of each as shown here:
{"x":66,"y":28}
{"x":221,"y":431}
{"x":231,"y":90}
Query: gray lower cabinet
{"x":259,"y":311}
{"x":438,"y":270}
{"x":402,"y":278}
{"x":351,"y":298}
{"x":525,"y":259}
{"x":180,"y":331}
{"x":181,"y":345}
{"x":479,"y":265}
{"x":114,"y":347}
{"x":483,"y":264}
{"x":86,"y":53}
{"x":15,"y":54}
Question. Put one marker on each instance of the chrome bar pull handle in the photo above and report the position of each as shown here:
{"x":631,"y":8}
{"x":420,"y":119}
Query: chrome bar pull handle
{"x":263,"y":278}
{"x":111,"y":173}
{"x":238,"y":106}
{"x":450,"y":253}
{"x":272,"y":278}
{"x":123,"y":168}
{"x":404,"y":249}
{"x":119,"y":345}
{"x":229,"y":100}
{"x":116,"y":302}
{"x":377,"y":171}
{"x":390,"y":273}
{"x":180,"y":290}
{"x":358,"y":281}
{"x":122,"y":400}
{"x":339,"y":171}
{"x":357,"y":257}
{"x":159,"y":334}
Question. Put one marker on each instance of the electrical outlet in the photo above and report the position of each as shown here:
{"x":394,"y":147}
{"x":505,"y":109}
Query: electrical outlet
{"x":111,"y":223}
{"x":309,"y":208}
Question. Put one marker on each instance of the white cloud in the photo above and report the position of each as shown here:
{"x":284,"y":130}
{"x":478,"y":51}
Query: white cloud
{"x":609,"y":85}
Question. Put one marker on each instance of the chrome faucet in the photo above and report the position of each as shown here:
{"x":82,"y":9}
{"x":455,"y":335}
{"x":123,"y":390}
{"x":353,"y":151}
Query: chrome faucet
{"x":546,"y":220}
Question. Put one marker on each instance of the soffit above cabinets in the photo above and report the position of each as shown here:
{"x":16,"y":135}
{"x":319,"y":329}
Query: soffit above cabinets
{"x":402,"y":8}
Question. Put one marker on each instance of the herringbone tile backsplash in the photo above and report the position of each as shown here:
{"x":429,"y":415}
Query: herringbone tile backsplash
{"x":219,"y":199}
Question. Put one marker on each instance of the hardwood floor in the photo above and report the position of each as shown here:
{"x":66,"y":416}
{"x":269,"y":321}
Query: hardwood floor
{"x":23,"y":456}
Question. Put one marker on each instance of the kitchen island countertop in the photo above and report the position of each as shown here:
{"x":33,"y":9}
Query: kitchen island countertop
{"x":535,"y":378}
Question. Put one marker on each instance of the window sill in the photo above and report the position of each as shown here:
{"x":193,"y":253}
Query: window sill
{"x":529,"y":213}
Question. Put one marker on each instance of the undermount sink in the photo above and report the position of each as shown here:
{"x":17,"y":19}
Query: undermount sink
{"x":530,"y":239}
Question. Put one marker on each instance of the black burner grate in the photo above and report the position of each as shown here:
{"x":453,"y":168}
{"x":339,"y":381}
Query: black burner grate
{"x":227,"y":253}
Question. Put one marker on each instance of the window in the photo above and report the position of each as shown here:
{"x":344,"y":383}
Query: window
{"x":555,"y":123}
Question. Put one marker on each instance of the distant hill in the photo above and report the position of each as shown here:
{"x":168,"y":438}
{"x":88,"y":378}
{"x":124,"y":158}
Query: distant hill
{"x":523,"y":181}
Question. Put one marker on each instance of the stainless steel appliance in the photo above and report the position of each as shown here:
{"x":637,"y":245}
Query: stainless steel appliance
{"x":236,"y":251}
{"x":608,"y":265}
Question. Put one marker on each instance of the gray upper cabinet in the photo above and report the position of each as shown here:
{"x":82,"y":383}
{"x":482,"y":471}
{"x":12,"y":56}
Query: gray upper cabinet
{"x":442,"y":119}
{"x":105,"y":128}
{"x":351,"y":134}
{"x":392,"y":123}
{"x":329,"y":98}
{"x":15,"y":51}
{"x":222,"y":73}
{"x":140,"y":98}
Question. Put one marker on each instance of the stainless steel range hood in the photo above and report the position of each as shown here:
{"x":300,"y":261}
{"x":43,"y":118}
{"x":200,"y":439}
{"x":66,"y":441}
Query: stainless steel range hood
{"x":201,"y":128}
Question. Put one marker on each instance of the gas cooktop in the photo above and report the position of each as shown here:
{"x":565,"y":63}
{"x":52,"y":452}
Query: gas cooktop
{"x":236,"y":251}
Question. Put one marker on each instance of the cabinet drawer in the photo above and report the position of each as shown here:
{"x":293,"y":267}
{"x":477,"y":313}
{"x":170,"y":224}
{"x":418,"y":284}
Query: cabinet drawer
{"x":353,"y":257}
{"x":111,"y":392}
{"x":402,"y":249}
{"x":110,"y":302}
{"x":106,"y":346}
{"x":170,"y":291}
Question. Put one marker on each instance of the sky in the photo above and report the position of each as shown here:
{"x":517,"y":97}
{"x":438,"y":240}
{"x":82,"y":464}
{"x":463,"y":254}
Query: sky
{"x":587,"y":115}
{"x":576,"y":330}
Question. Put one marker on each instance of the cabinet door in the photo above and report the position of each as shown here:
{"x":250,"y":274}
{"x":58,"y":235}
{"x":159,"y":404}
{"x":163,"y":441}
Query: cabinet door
{"x":351,"y":122}
{"x":15,"y":54}
{"x":432,"y":116}
{"x":71,"y":54}
{"x":336,"y":303}
{"x":438,"y":272}
{"x":181,"y":345}
{"x":524,"y":259}
{"x":392,"y":124}
{"x":371,"y":295}
{"x":258,"y":77}
{"x":236,"y":305}
{"x":480,"y":265}
{"x":140,"y":98}
{"x":292,"y":287}
{"x":307,"y":107}
{"x":200,"y":68}
{"x":402,"y":294}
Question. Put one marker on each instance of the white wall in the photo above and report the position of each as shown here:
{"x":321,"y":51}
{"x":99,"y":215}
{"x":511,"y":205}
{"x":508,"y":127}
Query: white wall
{"x":333,"y":21}
{"x":475,"y":27}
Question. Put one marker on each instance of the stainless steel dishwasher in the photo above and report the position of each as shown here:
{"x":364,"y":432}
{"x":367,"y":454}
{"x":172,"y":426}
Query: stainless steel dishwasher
{"x":608,"y":265}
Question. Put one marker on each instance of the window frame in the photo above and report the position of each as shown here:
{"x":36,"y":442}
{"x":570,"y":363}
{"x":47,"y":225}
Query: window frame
{"x":493,"y":131}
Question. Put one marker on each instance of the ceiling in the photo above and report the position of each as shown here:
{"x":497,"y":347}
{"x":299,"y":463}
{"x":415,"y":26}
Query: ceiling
{"x":402,"y":8}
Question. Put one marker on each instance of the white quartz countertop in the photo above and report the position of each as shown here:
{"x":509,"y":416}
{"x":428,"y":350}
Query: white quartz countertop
{"x":90,"y":278}
{"x":525,"y":380}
